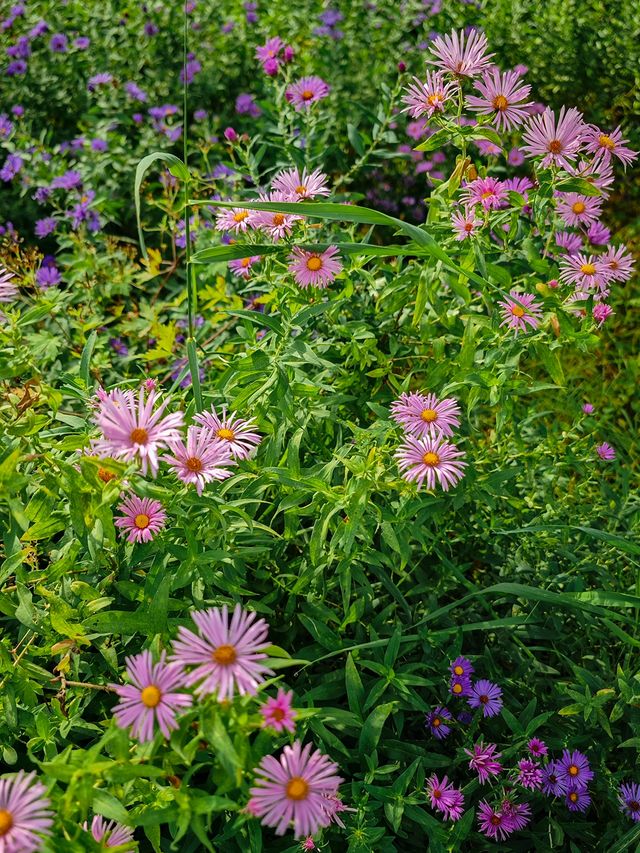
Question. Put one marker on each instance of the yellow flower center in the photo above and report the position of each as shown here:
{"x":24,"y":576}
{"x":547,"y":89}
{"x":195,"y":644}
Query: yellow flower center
{"x":436,"y":722}
{"x":430,"y":459}
{"x":487,"y":194}
{"x":307,"y":95}
{"x":457,"y":688}
{"x":458,"y":670}
{"x":194,"y":464}
{"x":573,"y":797}
{"x":588,"y":269}
{"x":606,"y":142}
{"x":226,"y":434}
{"x":139,"y":436}
{"x":573,"y":770}
{"x":240,"y":216}
{"x":141,"y":521}
{"x":500,"y":103}
{"x":151,"y":696}
{"x":555,"y":146}
{"x":6,"y":822}
{"x":429,"y":415}
{"x":517,"y":310}
{"x":278,"y":219}
{"x":314,"y":263}
{"x":245,"y":262}
{"x":225,"y":655}
{"x":579,"y":207}
{"x":436,"y":99}
{"x":301,"y":189}
{"x":297,"y":789}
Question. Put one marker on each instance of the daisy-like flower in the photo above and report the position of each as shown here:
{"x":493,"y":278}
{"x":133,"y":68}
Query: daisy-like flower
{"x":489,"y":192}
{"x":461,"y":667}
{"x":492,"y":822}
{"x":8,"y":290}
{"x":334,"y":807}
{"x":486,"y":695}
{"x":552,"y":782}
{"x":204,"y":458}
{"x":519,"y":311}
{"x":571,"y":243}
{"x":435,"y":721}
{"x":428,"y":97}
{"x":557,"y":142}
{"x":227,"y":654}
{"x":529,"y":774}
{"x":153,"y":698}
{"x":577,"y":799}
{"x":465,"y":223}
{"x":515,"y":815}
{"x":235,"y":219}
{"x":111,"y":833}
{"x":317,"y":269}
{"x":275,"y":224}
{"x":431,"y":459}
{"x":629,"y":798}
{"x":576,"y":209}
{"x":601,"y":312}
{"x":133,"y":429}
{"x":460,"y":685}
{"x":608,"y":145}
{"x":619,"y":262}
{"x":598,"y":234}
{"x":445,"y":798}
{"x":586,"y":272}
{"x":270,"y":49}
{"x":306,"y":91}
{"x":484,"y":760}
{"x":462,"y":55}
{"x":518,"y":185}
{"x":293,"y":790}
{"x":503,"y":96}
{"x":537,"y":747}
{"x":424,"y":414}
{"x":606,"y":452}
{"x":142,"y":518}
{"x":597,"y":172}
{"x":25,"y":814}
{"x":237,"y":433}
{"x":574,"y":768}
{"x":242,"y":266}
{"x":299,"y":186}
{"x":278,"y":713}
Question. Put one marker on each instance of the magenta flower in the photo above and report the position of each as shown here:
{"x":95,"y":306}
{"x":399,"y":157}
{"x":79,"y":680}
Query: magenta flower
{"x":608,"y":145}
{"x":424,"y":414}
{"x":606,"y":451}
{"x":278,"y":713}
{"x":317,"y":269}
{"x":435,"y":721}
{"x":577,"y":799}
{"x":25,"y":814}
{"x":486,"y":695}
{"x":598,"y":234}
{"x":275,"y":224}
{"x":431,"y":459}
{"x":515,"y":815}
{"x":238,"y":434}
{"x":142,"y":519}
{"x":492,"y":822}
{"x":308,"y":844}
{"x":112,"y":833}
{"x":537,"y":747}
{"x":585,"y":271}
{"x":306,"y":91}
{"x":204,"y":458}
{"x":298,"y":186}
{"x":8,"y":290}
{"x":429,"y":97}
{"x":601,"y":312}
{"x":588,"y":408}
{"x":152,"y":698}
{"x":234,"y":219}
{"x":556,"y":142}
{"x":484,"y":760}
{"x":270,"y":49}
{"x":571,"y":243}
{"x":489,"y":192}
{"x":445,"y":798}
{"x":465,"y":223}
{"x":573,"y":768}
{"x":619,"y":262}
{"x":552,"y":783}
{"x":519,"y":311}
{"x":462,"y":55}
{"x":529,"y":774}
{"x":242,"y":266}
{"x":629,"y":798}
{"x":334,"y":807}
{"x":576,"y":209}
{"x":293,"y":790}
{"x":598,"y":172}
{"x":503,"y":96}
{"x":227,"y":654}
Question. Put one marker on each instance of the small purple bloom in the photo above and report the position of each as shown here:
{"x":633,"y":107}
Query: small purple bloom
{"x":48,"y":276}
{"x":435,"y":721}
{"x":629,"y":798}
{"x":588,"y":408}
{"x":45,"y":226}
{"x":99,"y":145}
{"x":67,"y":181}
{"x":101,"y":79}
{"x":577,"y":799}
{"x":135,"y":92}
{"x":82,"y":42}
{"x":529,"y":774}
{"x":16,"y":68}
{"x":486,"y":695}
{"x":58,"y":43}
{"x":606,"y":452}
{"x":573,"y":768}
{"x":12,"y":166}
{"x":537,"y":747}
{"x":552,"y":782}
{"x":246,"y":105}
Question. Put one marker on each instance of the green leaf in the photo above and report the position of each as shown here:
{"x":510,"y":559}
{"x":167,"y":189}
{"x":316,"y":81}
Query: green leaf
{"x":436,"y":140}
{"x":372,"y":728}
{"x":551,"y":361}
{"x":355,"y":689}
{"x":85,"y":359}
{"x":177,"y":169}
{"x":578,"y":185}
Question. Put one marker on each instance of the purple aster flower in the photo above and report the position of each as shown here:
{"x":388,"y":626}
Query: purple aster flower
{"x":577,"y":799}
{"x":553,"y":782}
{"x":135,"y":92}
{"x":101,"y":79}
{"x":484,"y":760}
{"x":576,"y":209}
{"x":12,"y":166}
{"x":586,"y":272}
{"x":537,"y":747}
{"x":26,"y":816}
{"x":445,"y":798}
{"x":608,"y":145}
{"x":17,"y":110}
{"x":118,"y":345}
{"x":529,"y":774}
{"x":82,"y":42}
{"x":430,"y":96}
{"x":305,"y":91}
{"x":486,"y":695}
{"x":460,"y":685}
{"x":556,"y":142}
{"x":112,"y":833}
{"x":573,"y":768}
{"x":462,"y":54}
{"x":502,"y":96}
{"x":598,"y":234}
{"x":571,"y":243}
{"x":68,"y":181}
{"x":16,"y":68}
{"x":150,"y":29}
{"x":588,"y":408}
{"x":200,"y":115}
{"x":466,"y":223}
{"x":430,"y":458}
{"x":188,"y":73}
{"x":435,"y":721}
{"x":425,"y":414}
{"x":519,"y":311}
{"x":6,"y":126}
{"x":606,"y":452}
{"x":48,"y":276}
{"x":38,"y":30}
{"x":489,"y":192}
{"x":619,"y":262}
{"x":99,"y":145}
{"x":515,"y":157}
{"x":601,"y":312}
{"x":58,"y":43}
{"x":246,"y":105}
{"x":493,"y":823}
{"x":462,"y":666}
{"x":629,"y":798}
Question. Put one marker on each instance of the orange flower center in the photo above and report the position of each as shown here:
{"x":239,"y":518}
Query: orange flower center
{"x":245,"y":262}
{"x":487,"y":194}
{"x":301,"y":189}
{"x":278,"y":219}
{"x":225,"y":655}
{"x":430,"y":459}
{"x":573,"y":770}
{"x":573,"y":797}
{"x":105,"y":475}
{"x":307,"y":95}
{"x":429,"y":415}
{"x":240,"y":216}
{"x":151,"y":696}
{"x":468,"y":226}
{"x":314,"y":263}
{"x":436,"y":99}
{"x":579,"y":207}
{"x":297,"y":789}
{"x":613,"y":265}
{"x":141,"y":521}
{"x":606,"y":142}
{"x":495,"y":820}
{"x":194,"y":464}
{"x":436,"y":793}
{"x":436,"y":722}
{"x":517,"y":310}
{"x":139,"y":435}
{"x":6,"y":822}
{"x":226,"y":434}
{"x":555,"y":146}
{"x":458,"y":670}
{"x":500,"y":103}
{"x":457,"y":688}
{"x":278,"y":714}
{"x":588,"y":269}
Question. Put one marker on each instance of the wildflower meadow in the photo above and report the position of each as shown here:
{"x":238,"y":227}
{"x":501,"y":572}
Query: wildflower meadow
{"x":318,"y":426}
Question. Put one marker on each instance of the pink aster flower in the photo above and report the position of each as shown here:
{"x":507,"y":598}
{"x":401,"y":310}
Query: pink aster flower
{"x":538,"y":747}
{"x":25,"y":814}
{"x":293,"y":790}
{"x":239,"y":434}
{"x":235,"y":219}
{"x":274,"y":223}
{"x":317,"y":269}
{"x":486,"y":695}
{"x":556,"y":142}
{"x":270,"y":49}
{"x":515,"y":815}
{"x":204,"y":458}
{"x":431,"y":459}
{"x":598,"y":234}
{"x":492,"y":822}
{"x":142,"y":518}
{"x":519,"y":311}
{"x":424,"y":414}
{"x":462,"y":55}
{"x":588,"y":408}
{"x":153,"y":698}
{"x":484,"y":760}
{"x":306,"y":91}
{"x":576,"y":209}
{"x":8,"y":290}
{"x":503,"y":96}
{"x":619,"y":262}
{"x":444,"y":797}
{"x":242,"y":266}
{"x":111,"y":833}
{"x":608,"y":145}
{"x":601,"y":312}
{"x":465,"y":223}
{"x":606,"y":451}
{"x":428,"y":97}
{"x":334,"y":807}
{"x":135,"y":428}
{"x":308,"y":843}
{"x":585,"y":271}
{"x":597,"y":172}
{"x":278,"y":713}
{"x":529,"y":774}
{"x":489,"y":192}
{"x":298,"y":186}
{"x":571,"y":243}
{"x":227,"y":654}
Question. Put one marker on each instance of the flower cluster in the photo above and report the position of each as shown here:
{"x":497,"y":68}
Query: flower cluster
{"x":480,"y":694}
